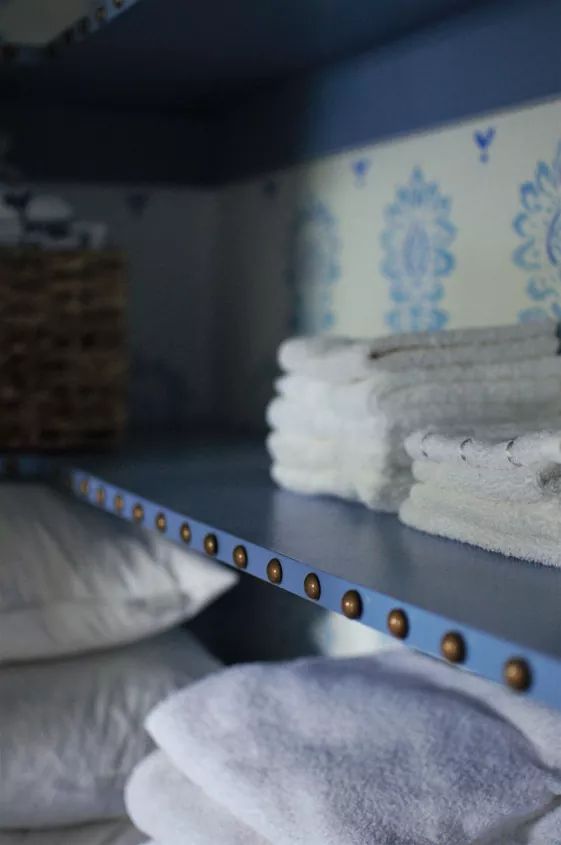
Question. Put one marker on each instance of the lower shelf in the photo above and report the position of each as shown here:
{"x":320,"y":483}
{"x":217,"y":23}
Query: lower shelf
{"x":500,"y":617}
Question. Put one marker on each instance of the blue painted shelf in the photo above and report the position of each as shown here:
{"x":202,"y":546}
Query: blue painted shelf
{"x":503,"y":608}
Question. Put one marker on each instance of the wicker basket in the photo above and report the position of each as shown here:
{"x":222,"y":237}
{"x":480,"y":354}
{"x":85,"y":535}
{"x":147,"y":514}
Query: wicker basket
{"x":63,"y":361}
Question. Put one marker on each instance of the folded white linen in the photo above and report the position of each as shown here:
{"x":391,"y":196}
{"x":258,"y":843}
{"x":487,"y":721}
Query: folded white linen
{"x":360,"y":400}
{"x":382,"y":491}
{"x":344,"y":752}
{"x":534,"y":483}
{"x":167,"y":806}
{"x":506,"y":447}
{"x":290,"y":417}
{"x":382,"y":382}
{"x":531,"y":531}
{"x":328,"y":453}
{"x":340,"y":360}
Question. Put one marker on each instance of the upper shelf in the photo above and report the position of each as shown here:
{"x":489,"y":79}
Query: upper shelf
{"x":502,"y":608}
{"x":169,"y":53}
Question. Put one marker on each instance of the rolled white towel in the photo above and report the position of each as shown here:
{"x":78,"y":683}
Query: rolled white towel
{"x":344,"y":767}
{"x":340,"y":360}
{"x":166,"y":805}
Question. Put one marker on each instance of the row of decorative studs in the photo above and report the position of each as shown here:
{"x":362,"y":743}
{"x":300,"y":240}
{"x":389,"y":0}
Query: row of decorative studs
{"x":516,"y":671}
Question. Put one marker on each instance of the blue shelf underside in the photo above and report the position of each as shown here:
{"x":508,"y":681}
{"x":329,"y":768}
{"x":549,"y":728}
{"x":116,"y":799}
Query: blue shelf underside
{"x":504,"y":608}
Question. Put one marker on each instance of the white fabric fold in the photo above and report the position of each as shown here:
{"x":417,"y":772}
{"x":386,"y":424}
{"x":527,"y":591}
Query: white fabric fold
{"x":341,"y":360}
{"x":526,"y":485}
{"x":291,"y":417}
{"x":167,"y":806}
{"x":414,"y":384}
{"x":382,"y":491}
{"x":531,"y":531}
{"x":506,"y":447}
{"x":329,"y":752}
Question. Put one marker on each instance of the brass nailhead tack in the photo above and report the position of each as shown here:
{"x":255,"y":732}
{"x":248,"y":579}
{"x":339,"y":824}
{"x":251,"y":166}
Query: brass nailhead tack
{"x":274,"y":571}
{"x":312,"y":586}
{"x":185,"y":532}
{"x":240,"y":557}
{"x":351,"y":604}
{"x":211,"y":544}
{"x":398,"y":623}
{"x":118,"y":503}
{"x":84,"y":486}
{"x":453,"y":647}
{"x":138,"y":513}
{"x":101,"y":13}
{"x":100,"y":495}
{"x":161,"y":522}
{"x":517,"y":674}
{"x":118,"y":3}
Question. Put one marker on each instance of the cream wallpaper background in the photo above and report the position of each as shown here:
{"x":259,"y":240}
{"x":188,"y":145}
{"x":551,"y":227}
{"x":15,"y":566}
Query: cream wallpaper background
{"x":460,"y":226}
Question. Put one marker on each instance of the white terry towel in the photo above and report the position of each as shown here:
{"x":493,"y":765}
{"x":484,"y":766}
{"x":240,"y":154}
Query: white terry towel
{"x":531,"y":531}
{"x":294,"y":418}
{"x":167,"y":806}
{"x":299,"y":451}
{"x":384,"y":490}
{"x":355,"y":751}
{"x":361,"y":399}
{"x":341,"y":360}
{"x":505,"y":447}
{"x":535,"y":483}
{"x":414,"y":382}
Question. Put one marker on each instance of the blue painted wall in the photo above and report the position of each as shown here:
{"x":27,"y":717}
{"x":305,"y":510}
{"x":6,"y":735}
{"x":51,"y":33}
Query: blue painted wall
{"x":492,"y":57}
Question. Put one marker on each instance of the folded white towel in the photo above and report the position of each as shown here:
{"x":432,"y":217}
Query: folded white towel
{"x":329,"y":453}
{"x":507,"y":447}
{"x":531,"y":531}
{"x":383,"y":491}
{"x":360,"y":400}
{"x":529,"y":484}
{"x":167,"y":806}
{"x":292,"y":418}
{"x":345,"y":752}
{"x":382,"y":382}
{"x":341,"y":360}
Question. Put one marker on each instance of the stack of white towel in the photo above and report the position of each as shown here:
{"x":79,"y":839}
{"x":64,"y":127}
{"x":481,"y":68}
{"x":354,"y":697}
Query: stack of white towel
{"x":344,"y":407}
{"x":499,"y":488}
{"x":396,"y":749}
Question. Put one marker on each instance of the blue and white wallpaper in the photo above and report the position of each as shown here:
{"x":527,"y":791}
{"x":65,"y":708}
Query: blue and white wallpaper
{"x":538,"y":225}
{"x":417,"y":241}
{"x":460,"y":226}
{"x":313,"y":267}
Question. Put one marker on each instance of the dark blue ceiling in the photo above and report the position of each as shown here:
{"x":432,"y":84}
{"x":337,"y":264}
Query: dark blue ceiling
{"x":172,"y":53}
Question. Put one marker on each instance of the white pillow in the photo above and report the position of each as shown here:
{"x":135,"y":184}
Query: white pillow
{"x":74,"y":579}
{"x":71,"y":731}
{"x":103,"y":833}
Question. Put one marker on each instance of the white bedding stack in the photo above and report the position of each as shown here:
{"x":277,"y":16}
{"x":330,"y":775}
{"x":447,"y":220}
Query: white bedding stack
{"x":344,"y":407}
{"x":498,"y":488}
